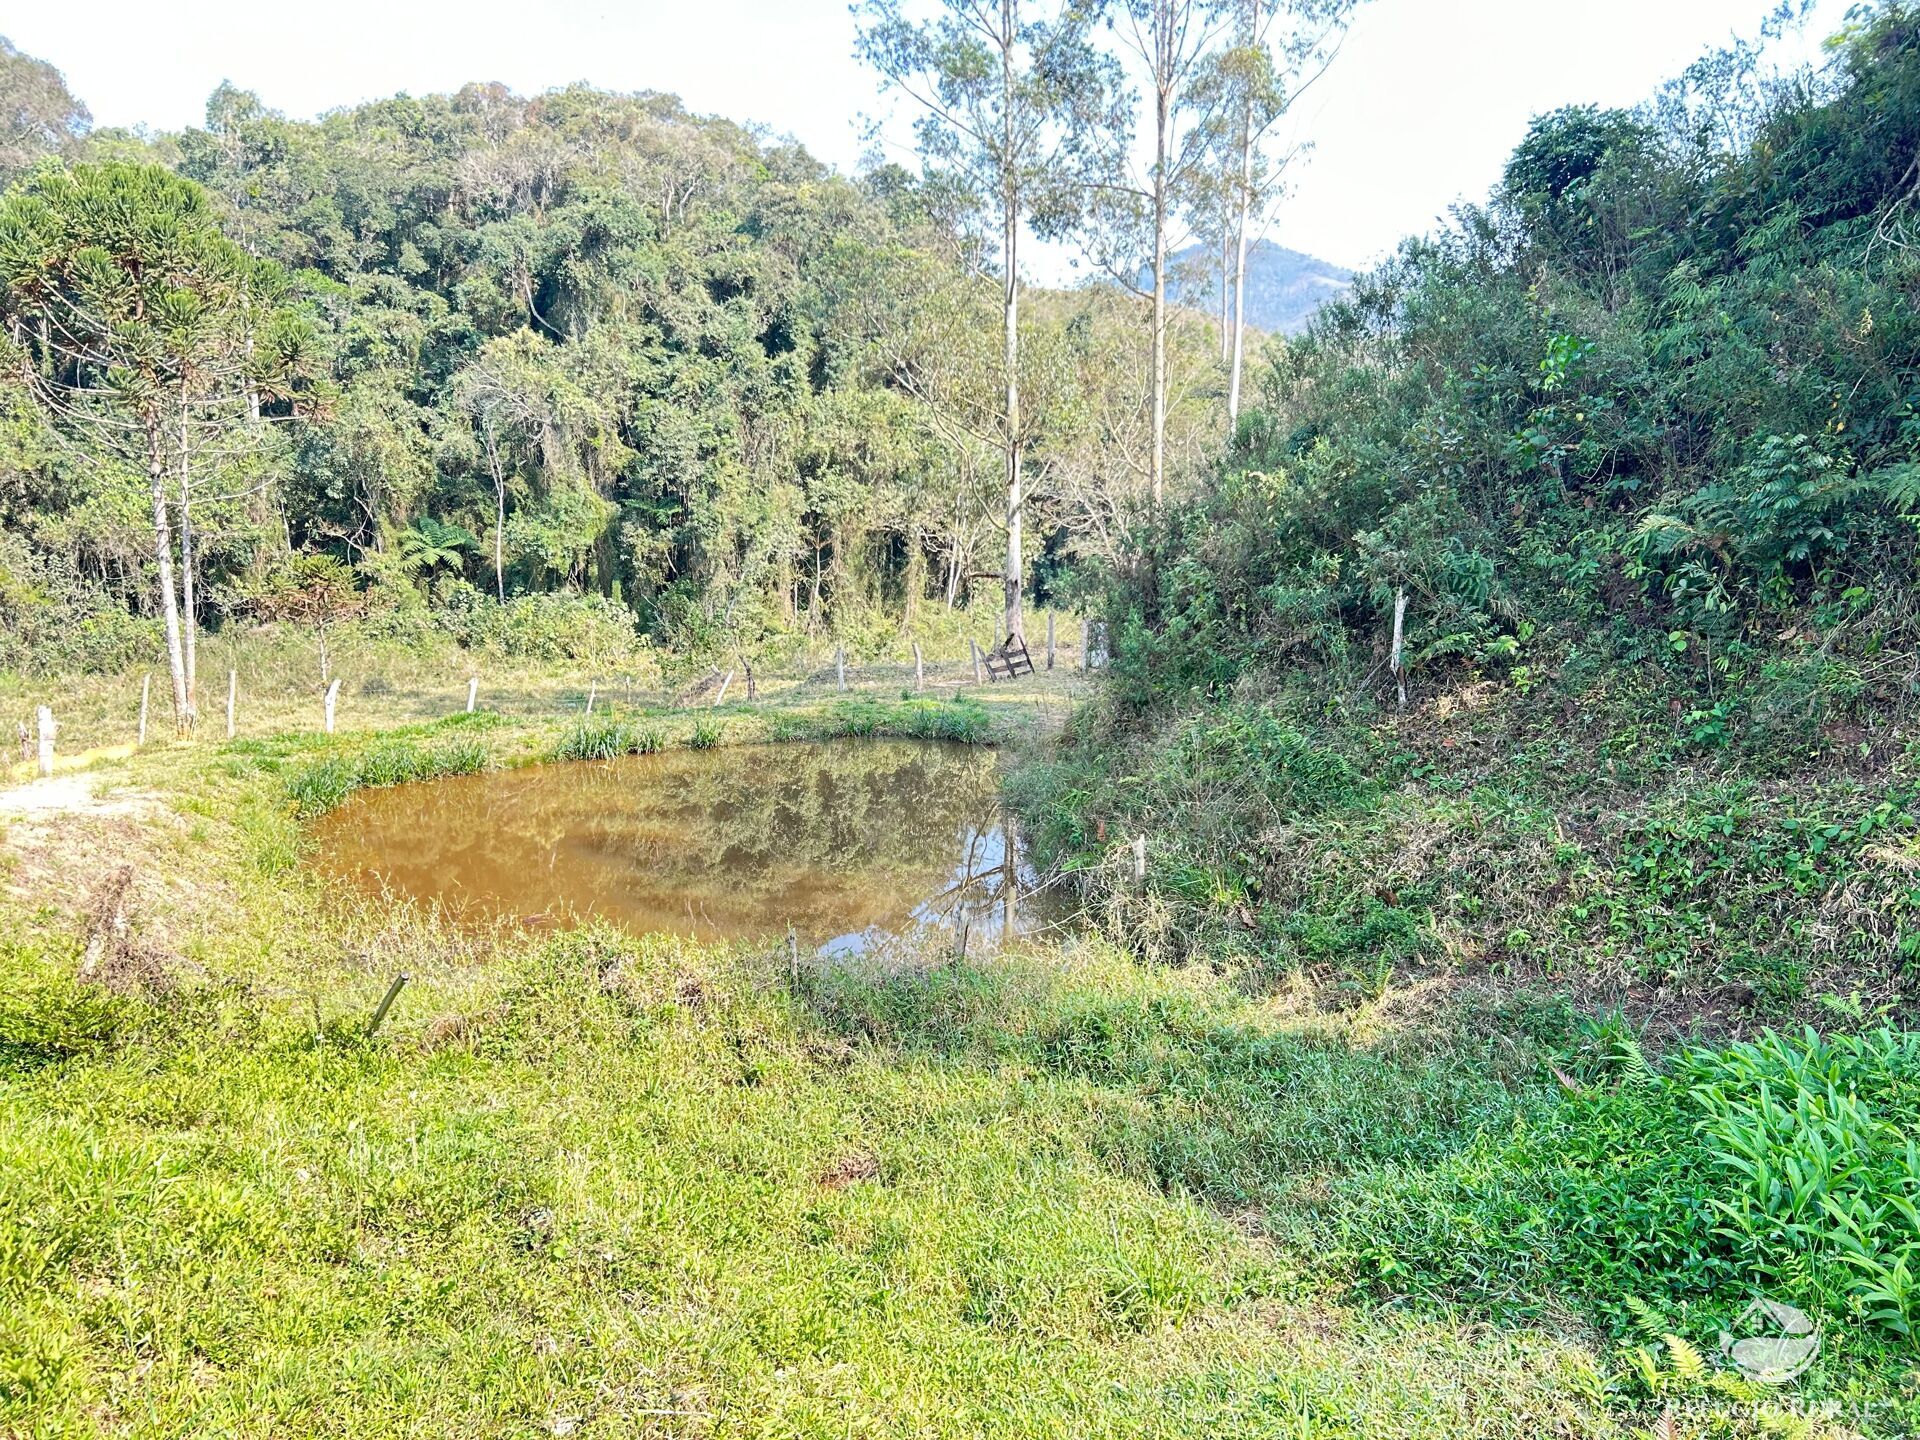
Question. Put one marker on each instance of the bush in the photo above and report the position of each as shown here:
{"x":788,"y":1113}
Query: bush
{"x":557,"y":625}
{"x":57,"y":623}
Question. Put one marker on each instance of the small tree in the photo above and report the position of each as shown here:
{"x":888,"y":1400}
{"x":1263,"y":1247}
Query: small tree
{"x":316,"y":591}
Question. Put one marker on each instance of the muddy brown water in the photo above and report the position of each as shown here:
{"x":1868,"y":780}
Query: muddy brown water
{"x":847,"y":841}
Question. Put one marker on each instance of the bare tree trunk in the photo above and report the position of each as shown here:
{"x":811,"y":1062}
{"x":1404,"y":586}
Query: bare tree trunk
{"x":1242,"y":218}
{"x":169,"y":602}
{"x":499,"y":515}
{"x":1157,"y":464}
{"x":1010,"y":216}
{"x":1226,"y":290}
{"x":189,"y":615}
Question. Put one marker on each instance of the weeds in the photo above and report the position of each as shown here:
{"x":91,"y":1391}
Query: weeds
{"x":602,"y":737}
{"x":389,"y":760}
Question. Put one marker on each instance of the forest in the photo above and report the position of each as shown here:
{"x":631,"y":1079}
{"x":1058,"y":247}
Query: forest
{"x":540,"y":373}
{"x":1474,"y":890}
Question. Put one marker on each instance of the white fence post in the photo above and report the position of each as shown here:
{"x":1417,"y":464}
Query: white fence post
{"x":473,"y":691}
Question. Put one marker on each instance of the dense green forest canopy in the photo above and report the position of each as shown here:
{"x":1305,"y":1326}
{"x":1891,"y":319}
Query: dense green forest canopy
{"x":580,"y":345}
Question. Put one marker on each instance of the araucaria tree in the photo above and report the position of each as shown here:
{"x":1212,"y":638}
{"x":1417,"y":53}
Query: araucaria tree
{"x":1014,"y":101}
{"x":146,"y":340}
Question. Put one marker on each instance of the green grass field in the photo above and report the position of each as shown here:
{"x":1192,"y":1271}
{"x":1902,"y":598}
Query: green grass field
{"x":590,"y":1184}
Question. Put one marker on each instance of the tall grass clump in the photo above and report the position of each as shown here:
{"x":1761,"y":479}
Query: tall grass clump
{"x":602,"y":737}
{"x":963,"y":720}
{"x":391,"y":760}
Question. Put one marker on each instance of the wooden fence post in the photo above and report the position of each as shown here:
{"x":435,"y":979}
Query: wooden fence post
{"x":46,"y":739}
{"x":1397,"y":661}
{"x":593,"y":689}
{"x":840,"y":665}
{"x":233,"y":695}
{"x":473,"y":692}
{"x":333,"y":695}
{"x":386,"y":1003}
{"x":973,"y":646}
{"x":919,"y":669}
{"x":146,"y":693}
{"x":1049,"y":640}
{"x":723,"y":690}
{"x":1139,"y":860}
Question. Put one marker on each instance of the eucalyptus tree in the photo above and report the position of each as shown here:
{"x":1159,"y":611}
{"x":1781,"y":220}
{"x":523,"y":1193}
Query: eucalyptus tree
{"x":1279,"y":49}
{"x":1015,"y":101}
{"x":1126,"y":216}
{"x":145,"y":338}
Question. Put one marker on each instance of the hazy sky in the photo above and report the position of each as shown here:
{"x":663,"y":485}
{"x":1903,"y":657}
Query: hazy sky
{"x":1422,"y":108}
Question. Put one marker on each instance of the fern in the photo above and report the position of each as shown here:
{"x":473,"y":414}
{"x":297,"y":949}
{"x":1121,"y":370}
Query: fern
{"x":1647,"y":1322}
{"x":1689,"y":1365}
{"x":1635,"y":1069}
{"x":1900,"y":484}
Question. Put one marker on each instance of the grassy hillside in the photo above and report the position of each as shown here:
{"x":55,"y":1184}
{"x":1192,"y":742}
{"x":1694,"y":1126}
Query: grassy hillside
{"x":1550,"y":626}
{"x":591,"y":1184}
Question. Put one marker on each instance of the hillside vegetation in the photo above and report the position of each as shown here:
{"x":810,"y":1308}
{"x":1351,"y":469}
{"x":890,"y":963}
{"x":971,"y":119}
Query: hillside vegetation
{"x":1632,"y":454}
{"x":1513,"y":712}
{"x":560,"y":374}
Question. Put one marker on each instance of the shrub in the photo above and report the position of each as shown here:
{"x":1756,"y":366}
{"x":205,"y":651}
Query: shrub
{"x":602,"y":738}
{"x":57,"y":623}
{"x":556,"y":625}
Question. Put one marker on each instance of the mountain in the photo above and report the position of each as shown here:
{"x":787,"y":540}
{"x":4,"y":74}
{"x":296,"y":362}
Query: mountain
{"x":1284,"y":287}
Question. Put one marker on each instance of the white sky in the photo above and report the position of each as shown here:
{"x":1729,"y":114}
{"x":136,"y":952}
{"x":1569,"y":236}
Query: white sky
{"x":1425,"y":102}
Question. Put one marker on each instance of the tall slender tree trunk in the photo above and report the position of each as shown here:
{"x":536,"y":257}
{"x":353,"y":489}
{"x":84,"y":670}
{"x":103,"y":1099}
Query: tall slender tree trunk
{"x":1010,"y":217}
{"x":499,"y":516}
{"x":1226,"y":288}
{"x":1157,"y":464}
{"x":163,"y":556}
{"x":189,"y":612}
{"x":1243,"y":214}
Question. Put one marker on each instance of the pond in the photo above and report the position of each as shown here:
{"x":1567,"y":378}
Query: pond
{"x":846,"y":841}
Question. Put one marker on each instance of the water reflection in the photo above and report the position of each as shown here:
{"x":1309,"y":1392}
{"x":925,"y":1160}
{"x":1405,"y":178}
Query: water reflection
{"x":848,"y":842}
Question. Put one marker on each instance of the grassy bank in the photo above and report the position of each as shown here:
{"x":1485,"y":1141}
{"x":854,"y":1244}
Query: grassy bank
{"x":589,"y":1184}
{"x":390,"y":680}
